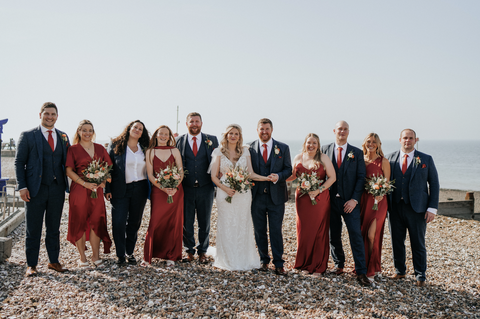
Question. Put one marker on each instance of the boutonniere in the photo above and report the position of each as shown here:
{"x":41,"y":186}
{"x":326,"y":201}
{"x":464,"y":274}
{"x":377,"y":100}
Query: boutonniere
{"x":208,"y":142}
{"x":276,"y":150}
{"x":350,"y":156}
{"x":65,"y":139}
{"x":418,"y":161}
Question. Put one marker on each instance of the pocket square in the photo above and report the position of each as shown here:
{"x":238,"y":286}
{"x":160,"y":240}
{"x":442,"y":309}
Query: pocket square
{"x":423,"y":166}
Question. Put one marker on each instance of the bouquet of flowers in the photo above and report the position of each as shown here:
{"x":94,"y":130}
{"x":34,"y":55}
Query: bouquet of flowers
{"x":237,"y":179}
{"x":309,"y":183}
{"x":378,"y":186}
{"x":97,"y":172}
{"x":169,"y":178}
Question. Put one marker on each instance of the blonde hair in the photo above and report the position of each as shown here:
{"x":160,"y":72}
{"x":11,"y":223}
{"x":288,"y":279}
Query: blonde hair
{"x":317,"y":159}
{"x":77,"y":138}
{"x":377,"y":140}
{"x":153,"y":139}
{"x":224,"y":141}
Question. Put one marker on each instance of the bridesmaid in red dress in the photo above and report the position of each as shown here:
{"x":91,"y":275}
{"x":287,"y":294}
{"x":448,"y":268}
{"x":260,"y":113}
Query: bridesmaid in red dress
{"x":165,"y":232}
{"x":373,"y":220}
{"x":313,"y":221}
{"x":87,"y":220}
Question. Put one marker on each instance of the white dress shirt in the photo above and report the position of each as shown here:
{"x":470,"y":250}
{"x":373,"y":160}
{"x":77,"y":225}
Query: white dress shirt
{"x":199,"y":140}
{"x":269,"y":147}
{"x":409,"y":161}
{"x":135,"y":166}
{"x":344,"y":150}
{"x":54,"y":135}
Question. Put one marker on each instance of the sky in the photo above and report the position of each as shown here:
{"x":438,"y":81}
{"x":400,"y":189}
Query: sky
{"x":380,"y":65}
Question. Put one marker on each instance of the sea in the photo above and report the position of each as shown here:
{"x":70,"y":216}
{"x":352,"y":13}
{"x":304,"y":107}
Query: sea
{"x":457,"y":162}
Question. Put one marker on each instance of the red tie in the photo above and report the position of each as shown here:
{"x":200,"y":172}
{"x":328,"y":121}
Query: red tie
{"x":405,"y":164}
{"x":265,"y":155}
{"x":195,"y":148}
{"x":339,"y":157}
{"x":50,"y":140}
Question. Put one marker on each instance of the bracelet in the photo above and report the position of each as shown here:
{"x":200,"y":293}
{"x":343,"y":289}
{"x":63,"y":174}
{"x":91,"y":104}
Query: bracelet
{"x":83,"y":184}
{"x":77,"y":179}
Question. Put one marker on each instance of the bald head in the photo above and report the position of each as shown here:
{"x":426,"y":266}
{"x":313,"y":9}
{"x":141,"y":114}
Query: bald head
{"x":341,"y":130}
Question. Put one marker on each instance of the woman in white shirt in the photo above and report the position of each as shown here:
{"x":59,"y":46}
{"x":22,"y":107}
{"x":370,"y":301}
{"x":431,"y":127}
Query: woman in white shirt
{"x":129,"y":188}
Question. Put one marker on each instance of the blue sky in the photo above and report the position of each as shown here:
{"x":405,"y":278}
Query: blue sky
{"x":380,"y":65}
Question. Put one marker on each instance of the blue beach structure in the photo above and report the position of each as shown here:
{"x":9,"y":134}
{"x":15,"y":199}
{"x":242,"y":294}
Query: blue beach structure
{"x":3,"y":181}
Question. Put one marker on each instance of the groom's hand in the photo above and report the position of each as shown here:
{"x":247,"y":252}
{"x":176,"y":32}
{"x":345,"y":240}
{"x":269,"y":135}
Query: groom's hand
{"x":349,"y":206}
{"x":273,"y":177}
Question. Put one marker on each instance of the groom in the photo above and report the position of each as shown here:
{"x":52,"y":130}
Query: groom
{"x":269,"y":158}
{"x":345,"y":196}
{"x":412,"y":205}
{"x":196,"y":150}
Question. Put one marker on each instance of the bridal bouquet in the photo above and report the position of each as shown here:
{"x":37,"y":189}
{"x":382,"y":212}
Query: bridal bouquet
{"x":97,"y":172}
{"x":237,"y":179}
{"x":169,"y":178}
{"x":378,"y":186}
{"x":309,"y":183}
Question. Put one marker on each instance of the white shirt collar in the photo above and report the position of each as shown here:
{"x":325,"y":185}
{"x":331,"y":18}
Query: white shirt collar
{"x":269,"y":144}
{"x":344,"y":146}
{"x":198,"y":136}
{"x":44,"y":129}
{"x":410,"y":155}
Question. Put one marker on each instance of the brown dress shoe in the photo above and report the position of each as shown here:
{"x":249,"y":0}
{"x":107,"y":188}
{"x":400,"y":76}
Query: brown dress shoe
{"x":280,"y":271}
{"x":363,"y":280}
{"x":264,"y":267}
{"x":202,"y":258}
{"x":57,"y":267}
{"x":31,"y":271}
{"x":420,"y":283}
{"x":188,"y":259}
{"x":397,"y":276}
{"x":338,"y":271}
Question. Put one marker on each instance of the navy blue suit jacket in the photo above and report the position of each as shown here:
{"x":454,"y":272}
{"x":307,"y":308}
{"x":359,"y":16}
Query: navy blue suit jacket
{"x":424,"y":186}
{"x":29,"y":159}
{"x":281,"y":164}
{"x":350,"y":181}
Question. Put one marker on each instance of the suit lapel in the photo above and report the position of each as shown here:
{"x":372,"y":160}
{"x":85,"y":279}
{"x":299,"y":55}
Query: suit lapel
{"x":255,"y":149}
{"x":330,"y":150}
{"x":39,"y":142}
{"x":346,"y":160}
{"x":272,"y":154}
{"x":414,"y":165}
{"x":394,"y":160}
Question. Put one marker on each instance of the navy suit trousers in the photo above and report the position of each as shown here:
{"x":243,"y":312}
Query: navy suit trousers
{"x":264,"y":212}
{"x":127,"y":213}
{"x":401,"y":218}
{"x":197,"y":201}
{"x":49,"y":203}
{"x":352,"y":221}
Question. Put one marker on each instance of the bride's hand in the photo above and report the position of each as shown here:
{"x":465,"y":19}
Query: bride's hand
{"x":230,"y":192}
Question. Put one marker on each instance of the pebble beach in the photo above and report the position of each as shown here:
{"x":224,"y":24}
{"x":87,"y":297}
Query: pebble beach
{"x":192,"y":290}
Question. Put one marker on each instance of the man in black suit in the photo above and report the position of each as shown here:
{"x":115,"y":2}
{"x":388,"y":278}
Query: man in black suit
{"x":345,"y":195}
{"x":41,"y":181}
{"x":412,"y":205}
{"x":196,"y":149}
{"x":269,"y":158}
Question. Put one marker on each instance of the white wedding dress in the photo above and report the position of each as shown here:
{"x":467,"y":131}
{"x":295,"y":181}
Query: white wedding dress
{"x":236,"y":248}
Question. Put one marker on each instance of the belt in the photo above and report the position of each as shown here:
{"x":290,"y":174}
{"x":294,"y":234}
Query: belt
{"x":196,"y":184}
{"x":265,"y":191}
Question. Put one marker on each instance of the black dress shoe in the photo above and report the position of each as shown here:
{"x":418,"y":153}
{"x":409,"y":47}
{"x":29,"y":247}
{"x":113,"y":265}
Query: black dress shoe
{"x":121,"y":261}
{"x":280,"y":271}
{"x":363,"y":280}
{"x":264,"y":267}
{"x":131,"y":260}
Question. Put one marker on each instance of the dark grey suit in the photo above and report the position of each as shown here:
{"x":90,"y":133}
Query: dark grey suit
{"x":415,"y":191}
{"x":42,"y":172}
{"x":348,"y":185}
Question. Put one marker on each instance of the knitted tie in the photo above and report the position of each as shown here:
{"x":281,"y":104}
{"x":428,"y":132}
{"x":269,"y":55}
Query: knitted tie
{"x":405,"y":164}
{"x":265,"y":155}
{"x":339,"y":157}
{"x":195,"y":148}
{"x":50,"y":140}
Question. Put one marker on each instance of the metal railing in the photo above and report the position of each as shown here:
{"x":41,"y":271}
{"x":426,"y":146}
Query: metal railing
{"x":9,"y":202}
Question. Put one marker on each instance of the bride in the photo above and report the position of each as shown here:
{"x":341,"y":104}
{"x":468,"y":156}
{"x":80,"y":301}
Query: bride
{"x":235,"y":239}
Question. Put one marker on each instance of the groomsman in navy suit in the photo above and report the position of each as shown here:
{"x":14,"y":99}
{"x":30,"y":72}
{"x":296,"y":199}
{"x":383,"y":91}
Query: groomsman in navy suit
{"x":41,"y":181}
{"x":196,"y":149}
{"x":412,"y":205}
{"x":345,"y":195}
{"x":270,"y":158}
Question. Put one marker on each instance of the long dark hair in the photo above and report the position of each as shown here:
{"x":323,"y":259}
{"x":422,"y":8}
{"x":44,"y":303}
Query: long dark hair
{"x":154,"y":142}
{"x":120,"y":142}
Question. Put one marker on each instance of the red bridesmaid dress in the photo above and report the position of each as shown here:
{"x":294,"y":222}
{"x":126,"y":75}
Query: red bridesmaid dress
{"x":165,"y":232}
{"x":86,"y":213}
{"x":368,"y":215}
{"x":313,"y":225}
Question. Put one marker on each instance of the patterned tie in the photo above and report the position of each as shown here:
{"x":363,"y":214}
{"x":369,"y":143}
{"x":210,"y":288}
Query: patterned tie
{"x":265,"y":155}
{"x":339,"y":157}
{"x":405,"y":164}
{"x":195,"y":148}
{"x":50,"y":140}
